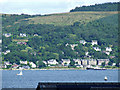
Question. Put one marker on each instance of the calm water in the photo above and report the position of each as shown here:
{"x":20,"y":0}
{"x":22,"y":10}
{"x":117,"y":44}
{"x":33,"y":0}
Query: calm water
{"x":31,"y":78}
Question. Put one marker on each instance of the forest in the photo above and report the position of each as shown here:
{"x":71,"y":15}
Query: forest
{"x":99,"y":7}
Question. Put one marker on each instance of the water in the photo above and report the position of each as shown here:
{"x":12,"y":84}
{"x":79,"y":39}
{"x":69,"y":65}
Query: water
{"x":31,"y":78}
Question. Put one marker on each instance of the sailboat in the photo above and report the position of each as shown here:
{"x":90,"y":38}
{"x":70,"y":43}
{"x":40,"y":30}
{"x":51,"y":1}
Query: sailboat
{"x":20,"y":73}
{"x":105,"y":78}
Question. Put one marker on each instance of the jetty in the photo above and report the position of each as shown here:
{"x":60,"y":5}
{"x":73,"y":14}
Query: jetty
{"x":78,"y":86}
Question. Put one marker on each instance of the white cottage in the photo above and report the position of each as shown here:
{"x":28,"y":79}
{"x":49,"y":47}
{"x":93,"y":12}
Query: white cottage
{"x":52,"y":62}
{"x":109,"y":49}
{"x":96,"y":48}
{"x":94,"y":42}
{"x":65,"y":62}
{"x":83,"y":42}
{"x":77,"y":61}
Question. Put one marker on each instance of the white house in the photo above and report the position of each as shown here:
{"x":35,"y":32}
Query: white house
{"x":84,"y":61}
{"x":6,"y":52}
{"x":32,"y":64}
{"x":23,"y":35}
{"x":100,"y":61}
{"x":23,"y":62}
{"x":35,"y":34}
{"x":107,"y":52}
{"x":52,"y":62}
{"x":77,"y":61}
{"x":92,"y":62}
{"x":113,"y":64}
{"x":94,"y":42}
{"x":44,"y":62}
{"x":7,"y":63}
{"x":73,"y":46}
{"x":7,"y":34}
{"x":109,"y":49}
{"x":96,"y":48}
{"x":66,"y":44}
{"x":83,"y":42}
{"x":0,"y":41}
{"x":65,"y":62}
{"x":86,"y":53}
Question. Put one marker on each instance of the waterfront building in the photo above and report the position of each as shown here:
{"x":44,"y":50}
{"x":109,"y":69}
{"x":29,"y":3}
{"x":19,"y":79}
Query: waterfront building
{"x":65,"y":62}
{"x":52,"y":62}
{"x":32,"y":64}
{"x":84,"y":62}
{"x":77,"y":61}
{"x":23,"y":62}
{"x":100,"y":61}
{"x":92,"y":62}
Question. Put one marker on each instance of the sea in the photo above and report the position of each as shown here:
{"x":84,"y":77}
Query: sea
{"x":31,"y":78}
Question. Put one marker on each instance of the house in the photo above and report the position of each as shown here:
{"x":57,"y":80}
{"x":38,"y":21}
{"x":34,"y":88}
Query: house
{"x":22,"y":43}
{"x":52,"y":62}
{"x":77,"y":61}
{"x":73,"y":46}
{"x":96,"y":48}
{"x":66,"y":44}
{"x":44,"y":62}
{"x":108,"y":49}
{"x":23,"y":35}
{"x":7,"y":34}
{"x":0,"y":41}
{"x":32,"y":64}
{"x":83,"y":42}
{"x":94,"y":42}
{"x":86,"y":53}
{"x":84,"y":62}
{"x":23,"y":62}
{"x":113,"y":64}
{"x":35,"y":34}
{"x":100,"y":61}
{"x":92,"y":62}
{"x":7,"y":63}
{"x":6,"y":52}
{"x":112,"y":57}
{"x":15,"y":66}
{"x":65,"y":62}
{"x":3,"y":66}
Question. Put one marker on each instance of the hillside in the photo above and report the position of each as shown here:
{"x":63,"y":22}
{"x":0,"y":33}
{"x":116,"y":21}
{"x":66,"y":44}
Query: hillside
{"x":40,"y":38}
{"x":98,"y":7}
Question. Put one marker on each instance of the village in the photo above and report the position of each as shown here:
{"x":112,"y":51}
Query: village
{"x":87,"y":61}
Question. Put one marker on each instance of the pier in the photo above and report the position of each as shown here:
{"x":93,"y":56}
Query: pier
{"x":78,"y":86}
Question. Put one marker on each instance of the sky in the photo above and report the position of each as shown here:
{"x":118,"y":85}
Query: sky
{"x":42,"y":7}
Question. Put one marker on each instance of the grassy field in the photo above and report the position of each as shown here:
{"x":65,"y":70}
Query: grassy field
{"x":20,"y":40}
{"x":62,"y":19}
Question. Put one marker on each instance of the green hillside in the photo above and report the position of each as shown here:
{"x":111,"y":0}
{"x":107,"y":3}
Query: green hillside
{"x":51,"y":36}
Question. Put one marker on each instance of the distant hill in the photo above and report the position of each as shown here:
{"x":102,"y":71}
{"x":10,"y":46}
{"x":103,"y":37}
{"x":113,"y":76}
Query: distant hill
{"x":98,"y":7}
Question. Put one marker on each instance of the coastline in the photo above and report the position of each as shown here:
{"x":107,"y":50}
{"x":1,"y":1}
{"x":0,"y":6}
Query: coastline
{"x":61,"y":69}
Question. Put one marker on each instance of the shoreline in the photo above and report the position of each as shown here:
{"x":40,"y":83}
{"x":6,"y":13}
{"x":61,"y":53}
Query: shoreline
{"x":61,"y":69}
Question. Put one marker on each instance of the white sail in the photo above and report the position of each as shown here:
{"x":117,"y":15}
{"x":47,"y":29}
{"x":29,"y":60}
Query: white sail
{"x":20,"y":73}
{"x":105,"y":78}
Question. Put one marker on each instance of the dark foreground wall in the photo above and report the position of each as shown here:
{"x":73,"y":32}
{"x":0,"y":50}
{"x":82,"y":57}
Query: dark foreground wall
{"x":77,"y":86}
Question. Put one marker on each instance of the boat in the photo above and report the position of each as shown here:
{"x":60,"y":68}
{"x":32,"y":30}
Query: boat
{"x":105,"y":78}
{"x":20,"y":73}
{"x":95,"y":68}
